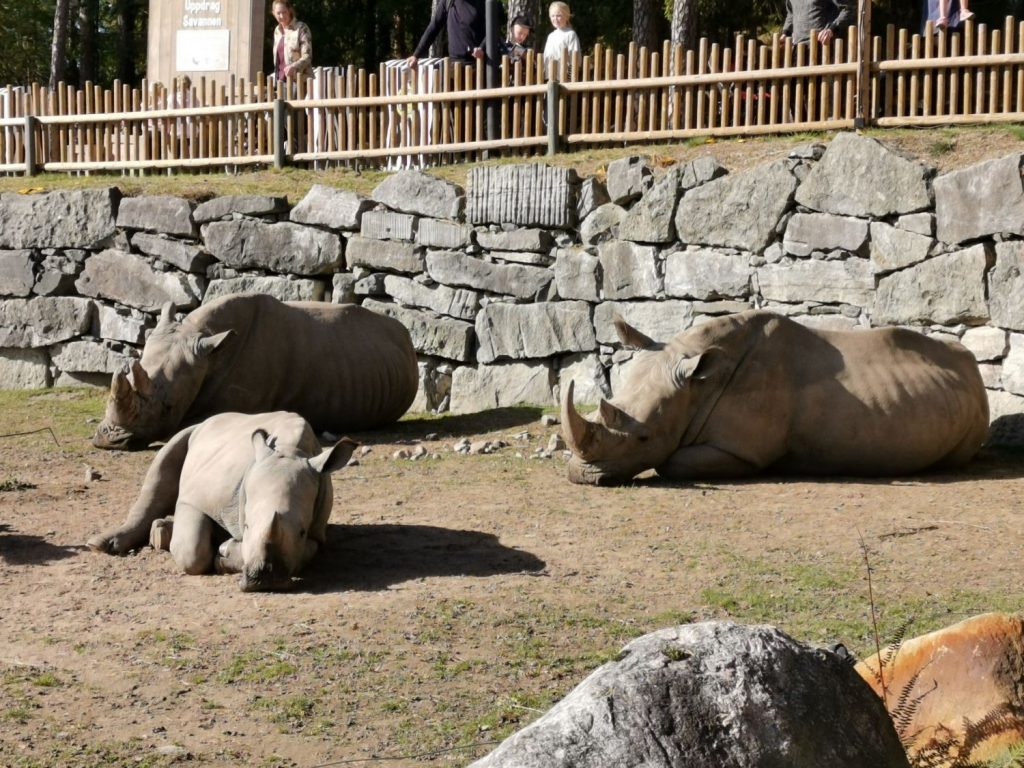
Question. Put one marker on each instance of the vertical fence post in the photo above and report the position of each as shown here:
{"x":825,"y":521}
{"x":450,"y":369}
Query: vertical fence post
{"x":552,"y":115}
{"x":491,"y":56}
{"x":864,"y":54}
{"x":30,"y":145}
{"x":280,"y":133}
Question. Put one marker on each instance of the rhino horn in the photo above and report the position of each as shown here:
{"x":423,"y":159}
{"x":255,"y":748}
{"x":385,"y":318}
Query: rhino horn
{"x":120,"y":388}
{"x":577,"y":431}
{"x":631,"y":337}
{"x":141,"y":380}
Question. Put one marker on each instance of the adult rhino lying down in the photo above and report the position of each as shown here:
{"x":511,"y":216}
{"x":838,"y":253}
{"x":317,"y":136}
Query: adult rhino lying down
{"x":756,"y":390}
{"x":341,"y":367}
{"x":256,"y":484}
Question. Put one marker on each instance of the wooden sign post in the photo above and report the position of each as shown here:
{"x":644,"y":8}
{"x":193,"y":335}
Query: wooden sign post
{"x":214,"y":39}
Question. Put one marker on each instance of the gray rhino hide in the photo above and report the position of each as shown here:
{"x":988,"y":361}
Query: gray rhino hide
{"x":341,"y":367}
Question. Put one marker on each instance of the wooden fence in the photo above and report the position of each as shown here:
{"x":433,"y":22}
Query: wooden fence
{"x":442,"y":112}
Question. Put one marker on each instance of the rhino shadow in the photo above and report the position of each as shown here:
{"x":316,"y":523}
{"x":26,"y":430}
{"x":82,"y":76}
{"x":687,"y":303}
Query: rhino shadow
{"x":375,"y":557}
{"x":22,"y":549}
{"x":458,"y":425}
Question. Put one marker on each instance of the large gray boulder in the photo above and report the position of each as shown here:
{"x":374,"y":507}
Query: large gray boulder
{"x":431,"y":335}
{"x":157,"y":213}
{"x":17,"y":273}
{"x":486,"y":387}
{"x":1006,"y":286}
{"x":712,"y":695}
{"x":284,"y":247}
{"x":628,"y":179}
{"x":43,"y":320}
{"x":859,"y":176}
{"x":422,"y":194}
{"x":946,"y":290}
{"x":71,"y":219}
{"x":983,"y":199}
{"x":458,"y":269}
{"x":131,"y":280}
{"x":522,"y":331}
{"x":629,"y":270}
{"x":241,"y":205}
{"x":650,"y":219}
{"x":740,"y":210}
{"x":325,"y":206}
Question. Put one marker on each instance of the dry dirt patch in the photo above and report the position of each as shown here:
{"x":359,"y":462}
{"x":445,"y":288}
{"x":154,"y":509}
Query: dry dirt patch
{"x":458,"y":598}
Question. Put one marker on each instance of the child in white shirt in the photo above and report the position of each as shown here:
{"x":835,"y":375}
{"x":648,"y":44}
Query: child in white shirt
{"x":564,"y":37}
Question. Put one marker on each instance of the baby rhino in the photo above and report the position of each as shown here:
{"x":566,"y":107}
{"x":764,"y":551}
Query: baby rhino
{"x":257,"y":482}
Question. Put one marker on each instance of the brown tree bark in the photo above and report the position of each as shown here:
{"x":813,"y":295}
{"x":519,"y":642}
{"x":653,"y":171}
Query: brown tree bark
{"x":59,"y":45}
{"x":645,"y":23}
{"x":684,"y":23}
{"x":88,"y":13}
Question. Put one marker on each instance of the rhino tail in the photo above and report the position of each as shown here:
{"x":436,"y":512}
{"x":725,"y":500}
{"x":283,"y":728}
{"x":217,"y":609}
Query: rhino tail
{"x":157,"y":499}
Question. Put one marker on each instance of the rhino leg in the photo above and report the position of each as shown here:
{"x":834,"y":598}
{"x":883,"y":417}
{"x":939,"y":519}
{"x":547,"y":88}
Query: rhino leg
{"x":157,"y":498}
{"x":700,"y":461}
{"x":229,"y":557}
{"x":192,"y":541}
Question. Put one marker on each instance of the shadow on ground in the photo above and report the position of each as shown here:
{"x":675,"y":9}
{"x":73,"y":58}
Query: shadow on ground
{"x":373,"y":557}
{"x":20,"y":549}
{"x":448,"y":425}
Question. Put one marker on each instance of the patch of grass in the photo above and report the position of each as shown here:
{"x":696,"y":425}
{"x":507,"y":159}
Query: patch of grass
{"x":46,"y":680}
{"x":289,"y":713}
{"x":256,"y":667}
{"x":70,"y":412}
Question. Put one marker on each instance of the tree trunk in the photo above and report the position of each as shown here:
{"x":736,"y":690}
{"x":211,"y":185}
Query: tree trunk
{"x":684,"y":24}
{"x":645,"y":24}
{"x":88,"y":13}
{"x":60,"y":42}
{"x":126,"y":15}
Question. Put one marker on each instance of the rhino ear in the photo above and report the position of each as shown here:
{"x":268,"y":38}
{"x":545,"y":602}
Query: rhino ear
{"x":613,"y":417}
{"x":335,"y":457}
{"x":166,"y":314}
{"x":204,"y":345}
{"x":141,"y":380}
{"x":631,"y":337}
{"x":695,"y":368}
{"x":261,"y":446}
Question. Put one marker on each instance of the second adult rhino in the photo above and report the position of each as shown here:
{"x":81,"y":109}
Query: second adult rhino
{"x":341,"y":367}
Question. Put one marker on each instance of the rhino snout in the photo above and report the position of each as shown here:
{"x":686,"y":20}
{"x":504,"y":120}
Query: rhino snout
{"x":112,"y":437}
{"x":582,"y":473}
{"x":271,"y":576}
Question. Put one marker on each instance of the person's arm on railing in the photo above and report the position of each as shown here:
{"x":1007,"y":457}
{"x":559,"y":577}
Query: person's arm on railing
{"x":844,"y":18}
{"x":437,"y":23}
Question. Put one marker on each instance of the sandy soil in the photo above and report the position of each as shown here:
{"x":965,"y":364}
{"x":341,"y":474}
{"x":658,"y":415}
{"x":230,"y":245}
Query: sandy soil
{"x":458,"y":598}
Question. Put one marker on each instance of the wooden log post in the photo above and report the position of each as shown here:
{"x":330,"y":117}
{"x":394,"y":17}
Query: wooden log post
{"x":280,"y":133}
{"x":864,"y":49}
{"x":30,"y":145}
{"x":553,"y":116}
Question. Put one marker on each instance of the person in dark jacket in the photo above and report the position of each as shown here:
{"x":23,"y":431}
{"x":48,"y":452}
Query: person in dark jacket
{"x":829,"y":17}
{"x":465,"y":22}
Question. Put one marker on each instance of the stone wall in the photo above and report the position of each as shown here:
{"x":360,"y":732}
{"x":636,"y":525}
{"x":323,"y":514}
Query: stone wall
{"x":509,"y":287}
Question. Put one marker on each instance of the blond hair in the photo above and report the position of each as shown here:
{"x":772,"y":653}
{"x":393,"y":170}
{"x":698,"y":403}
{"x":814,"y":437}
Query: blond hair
{"x":563,"y":7}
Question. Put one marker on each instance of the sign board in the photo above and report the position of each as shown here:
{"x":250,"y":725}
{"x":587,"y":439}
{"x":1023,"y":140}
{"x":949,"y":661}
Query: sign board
{"x":215,"y":39}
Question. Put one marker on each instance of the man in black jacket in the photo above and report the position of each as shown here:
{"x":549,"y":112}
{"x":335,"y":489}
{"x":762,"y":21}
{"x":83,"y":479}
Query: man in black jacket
{"x":829,"y":17}
{"x":465,"y":21}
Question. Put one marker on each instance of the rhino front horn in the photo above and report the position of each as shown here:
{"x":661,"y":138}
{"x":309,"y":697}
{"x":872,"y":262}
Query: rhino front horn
{"x":577,"y":431}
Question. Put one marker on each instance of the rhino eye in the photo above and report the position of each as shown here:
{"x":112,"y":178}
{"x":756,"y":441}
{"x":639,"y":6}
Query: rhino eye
{"x":642,"y":438}
{"x":302,"y":533}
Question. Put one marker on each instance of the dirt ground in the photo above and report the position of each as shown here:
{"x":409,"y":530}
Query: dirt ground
{"x":459,"y":596}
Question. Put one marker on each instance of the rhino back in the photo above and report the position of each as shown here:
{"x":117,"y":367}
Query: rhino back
{"x":220,"y":451}
{"x":882,"y":401}
{"x":341,"y":367}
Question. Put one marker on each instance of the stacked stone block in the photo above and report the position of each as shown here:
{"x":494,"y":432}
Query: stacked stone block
{"x":510,"y":287}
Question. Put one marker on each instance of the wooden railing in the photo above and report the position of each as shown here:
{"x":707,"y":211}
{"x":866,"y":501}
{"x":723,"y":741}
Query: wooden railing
{"x":442,"y":112}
